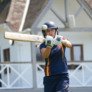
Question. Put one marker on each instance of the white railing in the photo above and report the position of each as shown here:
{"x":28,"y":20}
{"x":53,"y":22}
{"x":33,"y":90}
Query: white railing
{"x":80,"y":74}
{"x":16,"y":75}
{"x":19,"y":75}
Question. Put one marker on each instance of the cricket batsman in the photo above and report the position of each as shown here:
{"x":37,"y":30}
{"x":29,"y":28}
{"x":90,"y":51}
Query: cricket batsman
{"x":56,"y":77}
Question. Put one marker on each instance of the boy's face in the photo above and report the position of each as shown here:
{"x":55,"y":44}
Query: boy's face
{"x":51,"y":32}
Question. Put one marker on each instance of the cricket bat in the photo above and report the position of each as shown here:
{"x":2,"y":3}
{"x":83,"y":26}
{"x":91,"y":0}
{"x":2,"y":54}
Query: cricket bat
{"x":23,"y":37}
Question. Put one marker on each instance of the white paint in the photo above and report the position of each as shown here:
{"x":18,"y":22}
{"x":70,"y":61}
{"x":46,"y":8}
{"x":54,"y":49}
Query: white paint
{"x":24,"y":15}
{"x":71,"y":21}
{"x":83,"y":38}
{"x":82,"y":20}
{"x":22,"y":52}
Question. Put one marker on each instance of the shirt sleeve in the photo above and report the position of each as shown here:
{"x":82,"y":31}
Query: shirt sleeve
{"x":42,"y":46}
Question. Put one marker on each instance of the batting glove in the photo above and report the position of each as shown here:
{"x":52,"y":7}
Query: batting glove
{"x":58,"y":40}
{"x":49,"y":41}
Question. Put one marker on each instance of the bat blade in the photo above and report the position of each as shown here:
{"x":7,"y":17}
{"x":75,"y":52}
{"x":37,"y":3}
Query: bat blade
{"x":23,"y":37}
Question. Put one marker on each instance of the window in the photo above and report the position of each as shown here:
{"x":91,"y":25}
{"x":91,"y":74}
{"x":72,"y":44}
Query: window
{"x":77,"y":53}
{"x":74,"y":54}
{"x":6,"y":56}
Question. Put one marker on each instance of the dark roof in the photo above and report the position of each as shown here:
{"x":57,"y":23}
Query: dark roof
{"x":4,"y":9}
{"x":13,"y":17}
{"x":89,"y":2}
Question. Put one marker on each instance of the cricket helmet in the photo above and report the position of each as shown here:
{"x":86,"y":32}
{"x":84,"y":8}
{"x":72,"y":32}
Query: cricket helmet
{"x":48,"y":25}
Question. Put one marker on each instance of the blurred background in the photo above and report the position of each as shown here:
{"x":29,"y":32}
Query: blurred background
{"x":21,"y":64}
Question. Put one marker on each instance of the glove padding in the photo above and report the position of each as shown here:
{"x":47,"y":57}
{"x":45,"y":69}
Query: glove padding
{"x":58,"y":40}
{"x":49,"y":41}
